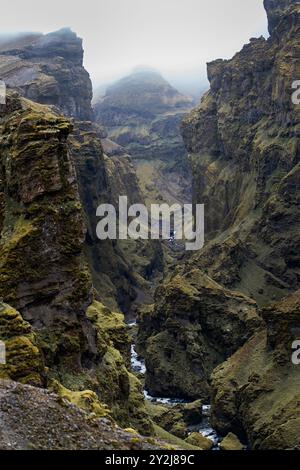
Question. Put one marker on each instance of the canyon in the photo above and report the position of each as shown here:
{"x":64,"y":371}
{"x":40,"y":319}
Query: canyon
{"x":212,"y":330}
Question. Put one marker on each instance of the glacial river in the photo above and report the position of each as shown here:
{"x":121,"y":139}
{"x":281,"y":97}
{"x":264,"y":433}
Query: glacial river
{"x":138,"y":366}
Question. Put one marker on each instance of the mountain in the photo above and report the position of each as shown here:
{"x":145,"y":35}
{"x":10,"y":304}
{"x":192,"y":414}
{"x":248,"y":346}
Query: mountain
{"x":215,"y":326}
{"x":243,"y":144}
{"x":48,"y":69}
{"x":57,"y":279}
{"x":143,"y":113}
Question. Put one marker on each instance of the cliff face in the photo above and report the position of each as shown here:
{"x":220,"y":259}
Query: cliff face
{"x":53,"y":175}
{"x":194,"y":325}
{"x":102,"y":179}
{"x":274,"y":9}
{"x":49,"y":69}
{"x":245,"y":152}
{"x":244,"y":148}
{"x":43,"y":271}
{"x":256,"y":392}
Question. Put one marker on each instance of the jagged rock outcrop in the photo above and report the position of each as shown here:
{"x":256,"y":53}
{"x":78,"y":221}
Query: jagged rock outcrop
{"x":256,"y":392}
{"x":23,"y":425}
{"x":274,"y":9}
{"x":142,"y":113}
{"x":49,"y":69}
{"x":244,"y":149}
{"x":243,"y":142}
{"x":194,"y":326}
{"x":44,"y":268}
{"x":23,"y":358}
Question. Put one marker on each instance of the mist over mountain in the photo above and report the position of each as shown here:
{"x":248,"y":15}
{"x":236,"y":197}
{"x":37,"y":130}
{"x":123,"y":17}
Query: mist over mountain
{"x":110,"y":341}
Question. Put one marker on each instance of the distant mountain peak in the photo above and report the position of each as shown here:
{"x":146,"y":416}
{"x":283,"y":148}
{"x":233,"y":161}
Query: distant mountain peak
{"x":145,"y":90}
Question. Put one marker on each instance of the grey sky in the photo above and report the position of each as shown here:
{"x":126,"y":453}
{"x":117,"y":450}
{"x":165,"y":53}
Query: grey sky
{"x":174,"y":36}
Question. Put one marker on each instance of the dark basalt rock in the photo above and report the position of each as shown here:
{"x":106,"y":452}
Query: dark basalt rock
{"x":275,"y":9}
{"x":256,"y":392}
{"x":194,"y":325}
{"x":244,"y":148}
{"x":49,"y":69}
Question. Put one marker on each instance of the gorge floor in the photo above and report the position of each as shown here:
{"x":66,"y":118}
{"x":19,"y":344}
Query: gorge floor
{"x":204,"y":427}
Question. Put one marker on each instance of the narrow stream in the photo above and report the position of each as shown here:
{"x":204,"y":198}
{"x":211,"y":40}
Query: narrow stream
{"x":138,"y":366}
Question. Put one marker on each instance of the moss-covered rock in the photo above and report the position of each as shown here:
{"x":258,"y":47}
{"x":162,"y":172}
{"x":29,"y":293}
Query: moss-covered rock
{"x":110,"y":328}
{"x":24,"y":361}
{"x":256,"y":392}
{"x":231,"y":442}
{"x":197,"y":439}
{"x":116,"y":385}
{"x":86,"y":400}
{"x":43,"y":272}
{"x":194,"y":326}
{"x":176,"y":419}
{"x":173,"y":441}
{"x":243,"y":142}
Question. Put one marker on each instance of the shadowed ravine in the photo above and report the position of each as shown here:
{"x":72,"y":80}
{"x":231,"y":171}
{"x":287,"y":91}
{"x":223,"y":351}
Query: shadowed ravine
{"x":128,"y":344}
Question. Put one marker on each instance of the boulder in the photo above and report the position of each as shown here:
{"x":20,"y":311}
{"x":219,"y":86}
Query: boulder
{"x":198,"y":440}
{"x":231,"y":442}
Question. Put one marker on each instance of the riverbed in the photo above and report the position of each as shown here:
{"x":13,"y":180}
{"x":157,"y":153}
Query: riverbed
{"x":138,"y":366}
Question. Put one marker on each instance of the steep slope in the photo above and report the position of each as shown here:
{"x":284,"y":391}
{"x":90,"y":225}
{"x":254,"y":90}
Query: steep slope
{"x":143,"y":114}
{"x":194,"y":325}
{"x":244,"y":146}
{"x":48,"y":69}
{"x":23,"y":425}
{"x":256,"y":392}
{"x":52,"y":177}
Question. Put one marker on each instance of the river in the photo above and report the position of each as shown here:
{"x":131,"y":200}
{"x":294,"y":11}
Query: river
{"x":138,"y":366}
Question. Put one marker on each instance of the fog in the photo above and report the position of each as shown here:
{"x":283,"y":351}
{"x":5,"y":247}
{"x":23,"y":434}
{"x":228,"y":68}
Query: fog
{"x":176,"y":37}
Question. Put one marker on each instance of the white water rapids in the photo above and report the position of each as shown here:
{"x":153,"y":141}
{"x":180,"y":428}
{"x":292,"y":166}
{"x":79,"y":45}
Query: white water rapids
{"x":138,"y":366}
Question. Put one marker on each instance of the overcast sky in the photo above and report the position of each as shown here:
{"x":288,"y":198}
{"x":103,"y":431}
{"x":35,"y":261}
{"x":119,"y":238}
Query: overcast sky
{"x":174,"y":36}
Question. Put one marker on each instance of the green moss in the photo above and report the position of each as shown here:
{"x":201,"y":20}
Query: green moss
{"x":111,"y":329}
{"x":173,"y":440}
{"x":231,"y":442}
{"x":198,"y":440}
{"x":24,"y":362}
{"x":86,"y":400}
